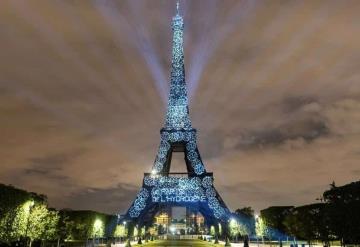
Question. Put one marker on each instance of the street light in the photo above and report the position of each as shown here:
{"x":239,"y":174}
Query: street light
{"x":97,"y":228}
{"x":257,"y":225}
{"x":28,"y":211}
{"x":172,"y":229}
{"x":124,"y":224}
{"x":98,"y":224}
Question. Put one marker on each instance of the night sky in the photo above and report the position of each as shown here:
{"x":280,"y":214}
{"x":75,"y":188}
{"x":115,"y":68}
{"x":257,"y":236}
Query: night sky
{"x":274,"y":94}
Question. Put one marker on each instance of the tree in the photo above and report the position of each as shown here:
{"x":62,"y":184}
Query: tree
{"x":261,"y":229}
{"x":15,"y":209}
{"x":246,"y":220}
{"x":13,"y":223}
{"x":305,"y":222}
{"x":120,"y":231}
{"x":26,"y":215}
{"x":273,"y":218}
{"x":343,"y":208}
{"x":42,"y":224}
{"x":246,"y":211}
{"x":237,"y":228}
{"x":234,"y":228}
{"x":84,"y":224}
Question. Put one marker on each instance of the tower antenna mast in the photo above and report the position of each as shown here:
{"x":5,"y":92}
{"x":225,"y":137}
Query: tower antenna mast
{"x":177,"y":7}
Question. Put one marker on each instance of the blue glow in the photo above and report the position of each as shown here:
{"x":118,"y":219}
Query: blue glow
{"x":139,"y":203}
{"x":177,"y":116}
{"x":207,"y":182}
{"x":175,"y":189}
{"x":169,"y":189}
{"x":192,"y":154}
{"x":160,"y":187}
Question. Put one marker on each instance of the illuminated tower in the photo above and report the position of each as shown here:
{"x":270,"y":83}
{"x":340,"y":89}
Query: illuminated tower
{"x":177,"y":116}
{"x":194,"y":189}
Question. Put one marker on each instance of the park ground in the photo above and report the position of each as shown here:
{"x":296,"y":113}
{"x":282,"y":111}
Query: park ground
{"x":183,"y":243}
{"x":200,"y":243}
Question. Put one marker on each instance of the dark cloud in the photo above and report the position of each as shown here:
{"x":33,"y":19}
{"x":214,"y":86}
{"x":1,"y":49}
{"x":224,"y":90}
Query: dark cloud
{"x":114,"y":200}
{"x":52,"y":165}
{"x":293,"y":104}
{"x":54,"y":161}
{"x":308,"y":130}
{"x":39,"y":171}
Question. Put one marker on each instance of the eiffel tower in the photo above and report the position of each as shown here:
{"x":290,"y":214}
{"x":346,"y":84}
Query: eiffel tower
{"x":194,"y":189}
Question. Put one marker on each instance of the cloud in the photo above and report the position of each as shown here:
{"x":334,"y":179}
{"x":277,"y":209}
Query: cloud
{"x":307,"y":130}
{"x":356,"y":172}
{"x":50,"y":164}
{"x":343,"y":117}
{"x":111,"y":200}
{"x":293,"y":104}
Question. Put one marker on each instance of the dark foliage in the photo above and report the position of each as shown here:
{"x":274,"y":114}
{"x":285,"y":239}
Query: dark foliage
{"x":343,"y":210}
{"x":274,"y":217}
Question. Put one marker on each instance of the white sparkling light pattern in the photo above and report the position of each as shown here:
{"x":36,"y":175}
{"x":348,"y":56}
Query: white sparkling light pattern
{"x":177,"y":116}
{"x":139,"y":203}
{"x":178,"y":129}
{"x":192,"y":154}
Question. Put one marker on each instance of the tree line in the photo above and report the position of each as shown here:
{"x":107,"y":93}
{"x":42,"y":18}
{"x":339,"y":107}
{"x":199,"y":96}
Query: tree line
{"x":335,"y":217}
{"x":26,"y":219}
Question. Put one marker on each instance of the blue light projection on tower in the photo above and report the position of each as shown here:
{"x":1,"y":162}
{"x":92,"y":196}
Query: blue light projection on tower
{"x":177,"y":116}
{"x":177,"y":123}
{"x":192,"y":154}
{"x":161,"y":186}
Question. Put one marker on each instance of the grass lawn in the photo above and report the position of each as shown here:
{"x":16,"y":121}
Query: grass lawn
{"x":184,"y":243}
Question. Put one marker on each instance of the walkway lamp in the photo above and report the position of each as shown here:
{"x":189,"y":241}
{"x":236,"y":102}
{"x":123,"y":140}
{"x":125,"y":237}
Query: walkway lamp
{"x":98,"y":229}
{"x":31,"y":205}
{"x":256,"y":225}
{"x":124,"y":224}
{"x":172,"y":229}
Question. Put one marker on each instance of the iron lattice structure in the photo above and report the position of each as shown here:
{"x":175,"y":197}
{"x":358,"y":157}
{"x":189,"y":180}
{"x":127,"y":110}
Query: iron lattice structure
{"x":194,"y":189}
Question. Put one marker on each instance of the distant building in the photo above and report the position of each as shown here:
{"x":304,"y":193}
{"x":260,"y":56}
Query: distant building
{"x":193,"y":223}
{"x":163,"y":218}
